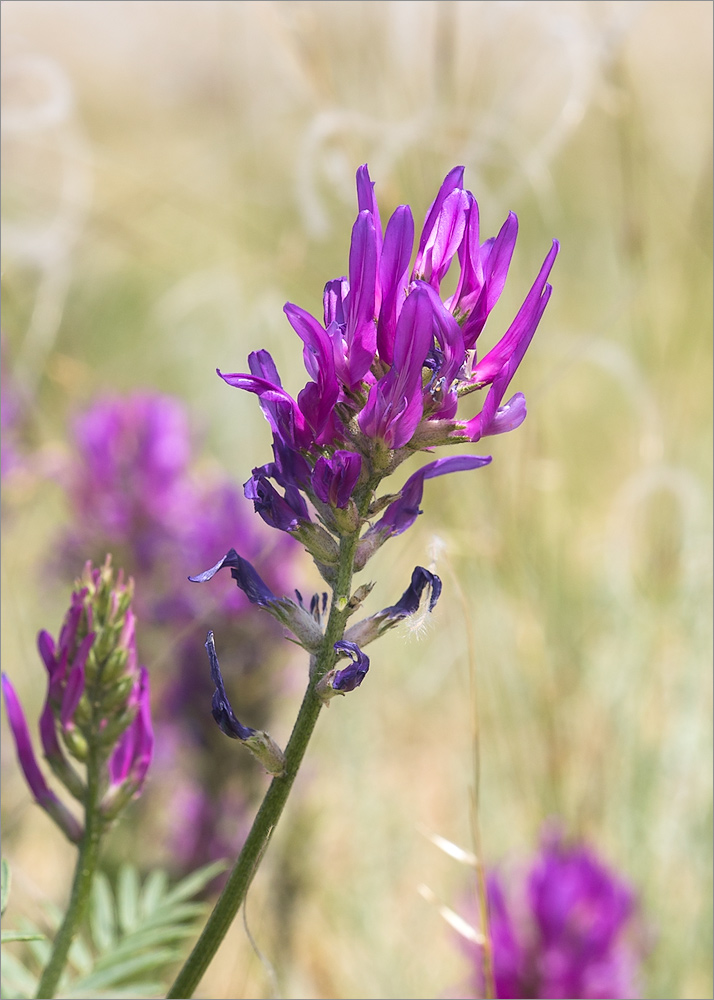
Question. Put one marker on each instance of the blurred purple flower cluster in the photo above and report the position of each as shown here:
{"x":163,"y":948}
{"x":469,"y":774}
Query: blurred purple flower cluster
{"x":15,"y":454}
{"x":136,"y":485}
{"x":136,"y":488}
{"x":565,"y":927}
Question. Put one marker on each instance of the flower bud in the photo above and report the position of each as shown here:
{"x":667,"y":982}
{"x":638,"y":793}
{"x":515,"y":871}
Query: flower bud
{"x":347,"y":679}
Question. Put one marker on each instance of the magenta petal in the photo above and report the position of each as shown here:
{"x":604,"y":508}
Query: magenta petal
{"x":497,"y":260}
{"x":23,"y":744}
{"x":362,"y":305}
{"x":434,"y":259}
{"x":46,"y":647}
{"x":487,"y":271}
{"x":317,"y":344}
{"x":41,"y":791}
{"x":394,"y":277}
{"x":519,"y":334}
{"x":262,"y":365}
{"x":402,"y":513}
{"x":280,"y":409}
{"x":132,"y":755}
{"x":73,"y":691}
{"x":454,"y":179}
{"x":366,"y":199}
{"x":394,"y":406}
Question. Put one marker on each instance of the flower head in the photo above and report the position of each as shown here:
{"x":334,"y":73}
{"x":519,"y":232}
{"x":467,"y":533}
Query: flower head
{"x":388,"y":366}
{"x":97,"y":700}
{"x":562,"y":929}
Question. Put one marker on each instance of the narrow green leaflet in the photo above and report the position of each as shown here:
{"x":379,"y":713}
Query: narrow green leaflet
{"x":135,"y":932}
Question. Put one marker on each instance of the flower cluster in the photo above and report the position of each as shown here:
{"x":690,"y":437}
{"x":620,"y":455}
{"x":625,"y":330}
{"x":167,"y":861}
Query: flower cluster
{"x":97,"y":705}
{"x":387,"y":369}
{"x":135,"y":488}
{"x":562,"y":929}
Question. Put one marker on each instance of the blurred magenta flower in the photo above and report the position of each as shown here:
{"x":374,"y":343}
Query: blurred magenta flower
{"x":13,"y":417}
{"x":97,"y":704}
{"x":388,"y":366}
{"x":563,"y":928}
{"x":134,"y":487}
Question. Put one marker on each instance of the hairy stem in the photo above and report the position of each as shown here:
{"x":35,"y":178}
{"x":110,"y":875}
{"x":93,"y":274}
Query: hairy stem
{"x":87,"y":861}
{"x":234,"y":892}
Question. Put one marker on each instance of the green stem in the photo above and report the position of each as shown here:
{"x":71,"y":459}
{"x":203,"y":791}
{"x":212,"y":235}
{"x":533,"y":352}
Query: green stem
{"x":87,"y":861}
{"x":235,"y":889}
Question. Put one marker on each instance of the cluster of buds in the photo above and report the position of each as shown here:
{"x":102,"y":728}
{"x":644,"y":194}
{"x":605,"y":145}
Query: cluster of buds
{"x":388,"y":368}
{"x":96,"y":710}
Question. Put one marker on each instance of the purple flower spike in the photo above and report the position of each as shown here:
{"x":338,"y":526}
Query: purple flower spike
{"x":562,"y":928}
{"x":590,"y":904}
{"x":388,"y":367}
{"x":134,"y":455}
{"x":221,"y":707}
{"x":334,"y":479}
{"x":30,"y":768}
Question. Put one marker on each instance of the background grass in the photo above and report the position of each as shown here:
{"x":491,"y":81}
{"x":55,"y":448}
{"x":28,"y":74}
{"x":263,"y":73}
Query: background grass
{"x":172,"y":174}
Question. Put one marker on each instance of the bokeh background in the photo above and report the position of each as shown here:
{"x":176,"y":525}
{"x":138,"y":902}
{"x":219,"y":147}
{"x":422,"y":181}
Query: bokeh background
{"x":172,"y":173}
